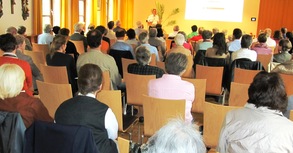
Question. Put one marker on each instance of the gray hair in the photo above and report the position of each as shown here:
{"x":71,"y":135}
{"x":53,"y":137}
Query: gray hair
{"x":176,"y":136}
{"x":143,"y":37}
{"x":11,"y":30}
{"x":179,"y":39}
{"x":78,"y":27}
{"x":143,"y":55}
{"x":153,"y":32}
{"x":47,"y":28}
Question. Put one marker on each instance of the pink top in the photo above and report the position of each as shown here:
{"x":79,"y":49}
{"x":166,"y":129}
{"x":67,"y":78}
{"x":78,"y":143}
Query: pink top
{"x":262,"y":48}
{"x":172,"y":87}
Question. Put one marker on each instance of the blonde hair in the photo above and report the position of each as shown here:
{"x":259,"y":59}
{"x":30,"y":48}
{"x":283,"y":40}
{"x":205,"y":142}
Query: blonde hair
{"x":11,"y":80}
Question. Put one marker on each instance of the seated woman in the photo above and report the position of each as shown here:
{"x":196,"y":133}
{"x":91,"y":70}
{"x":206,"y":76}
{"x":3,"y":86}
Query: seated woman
{"x":219,"y":49}
{"x":57,"y":57}
{"x":86,"y":110}
{"x":14,"y":99}
{"x":284,"y":56}
{"x":142,"y":67}
{"x":260,"y":126}
{"x":261,"y":47}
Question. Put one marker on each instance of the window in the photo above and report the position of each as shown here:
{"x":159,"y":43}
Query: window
{"x":51,"y":12}
{"x":82,"y":11}
{"x":46,"y":14}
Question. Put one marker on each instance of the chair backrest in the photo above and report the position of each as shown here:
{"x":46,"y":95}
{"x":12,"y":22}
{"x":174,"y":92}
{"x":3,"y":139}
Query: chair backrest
{"x":213,"y":118}
{"x":37,"y":57}
{"x":168,"y":44}
{"x":244,"y":76}
{"x":200,"y":93}
{"x":136,"y":87}
{"x":245,"y":63}
{"x":52,"y":95}
{"x":106,"y":81}
{"x":79,"y":45}
{"x":157,"y":112}
{"x":123,"y":145}
{"x":54,"y":74}
{"x":125,"y":62}
{"x":161,"y":65}
{"x":41,"y":48}
{"x":153,"y":60}
{"x":213,"y":75}
{"x":288,"y":82}
{"x":265,"y":60}
{"x":224,"y":62}
{"x":105,"y":47}
{"x":291,"y":115}
{"x":189,"y":73}
{"x":238,"y":94}
{"x":117,"y":55}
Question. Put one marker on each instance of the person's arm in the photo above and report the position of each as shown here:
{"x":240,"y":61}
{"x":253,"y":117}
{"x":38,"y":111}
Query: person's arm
{"x":114,"y":73}
{"x":40,"y":111}
{"x":111,"y":124}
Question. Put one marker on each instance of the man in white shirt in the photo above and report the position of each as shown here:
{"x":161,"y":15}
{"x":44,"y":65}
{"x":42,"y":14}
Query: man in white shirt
{"x":47,"y":36}
{"x":245,"y":52}
{"x":153,"y":19}
{"x":270,"y":42}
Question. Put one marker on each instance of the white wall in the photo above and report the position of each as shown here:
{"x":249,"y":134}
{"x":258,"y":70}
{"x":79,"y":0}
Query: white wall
{"x":15,"y":19}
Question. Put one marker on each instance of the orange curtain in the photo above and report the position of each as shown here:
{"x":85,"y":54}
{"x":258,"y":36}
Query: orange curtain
{"x":94,"y":11}
{"x":37,"y":18}
{"x":126,"y":13}
{"x":115,"y":10}
{"x":74,"y":14}
{"x":103,"y":15}
{"x":64,"y":14}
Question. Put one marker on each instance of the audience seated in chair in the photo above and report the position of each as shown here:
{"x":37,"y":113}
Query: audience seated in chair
{"x":219,"y":49}
{"x":21,"y":31}
{"x":193,"y":33}
{"x":12,"y":99}
{"x":259,"y":117}
{"x":131,"y":38}
{"x":176,"y":136}
{"x":144,"y":41}
{"x":171,"y":86}
{"x":284,"y":56}
{"x":47,"y":36}
{"x":86,"y":110}
{"x":110,"y":34}
{"x":235,"y":44}
{"x":155,"y":41}
{"x":245,"y":52}
{"x":261,"y":47}
{"x":77,"y":36}
{"x":206,"y":43}
{"x":70,"y":47}
{"x":143,"y":58}
{"x":179,"y":48}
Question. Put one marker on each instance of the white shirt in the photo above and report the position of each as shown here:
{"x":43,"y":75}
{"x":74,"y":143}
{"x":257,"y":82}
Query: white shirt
{"x":153,"y":18}
{"x":111,"y":123}
{"x":45,"y":38}
{"x":244,"y":53}
{"x":271,"y":42}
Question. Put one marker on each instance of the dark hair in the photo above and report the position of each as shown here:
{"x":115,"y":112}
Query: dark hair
{"x":110,"y":24}
{"x":237,"y":33}
{"x":21,"y":30}
{"x":120,"y":33}
{"x":289,"y":35}
{"x":102,"y":29}
{"x":64,"y":32}
{"x":283,"y":29}
{"x":220,"y":43}
{"x":277,"y":35}
{"x":7,"y":42}
{"x":262,"y":38}
{"x":194,"y":28}
{"x":130,"y":33}
{"x":57,"y":42}
{"x":160,"y":32}
{"x":94,"y":38}
{"x":158,"y":26}
{"x":246,"y":41}
{"x":268,"y":90}
{"x":285,"y":44}
{"x":90,"y":77}
{"x":206,"y":34}
{"x":56,"y":29}
{"x":175,"y":63}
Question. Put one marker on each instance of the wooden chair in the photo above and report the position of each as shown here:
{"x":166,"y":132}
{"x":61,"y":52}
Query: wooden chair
{"x":52,"y":95}
{"x":157,"y":113}
{"x":168,"y":44}
{"x":291,"y":115}
{"x":112,"y":98}
{"x":153,"y":60}
{"x":244,"y":76}
{"x":37,"y":57}
{"x":106,"y":81}
{"x":105,"y":48}
{"x":125,"y":63}
{"x":213,"y":118}
{"x":161,"y":65}
{"x":200,"y":93}
{"x":189,"y":73}
{"x":288,"y":82}
{"x":41,"y":48}
{"x":54,"y":74}
{"x":238,"y":94}
{"x":1,"y":53}
{"x":123,"y":145}
{"x":214,"y":76}
{"x":265,"y":60}
{"x":79,"y":46}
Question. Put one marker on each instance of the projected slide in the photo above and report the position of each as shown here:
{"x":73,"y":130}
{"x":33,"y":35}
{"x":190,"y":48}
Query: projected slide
{"x":214,"y":10}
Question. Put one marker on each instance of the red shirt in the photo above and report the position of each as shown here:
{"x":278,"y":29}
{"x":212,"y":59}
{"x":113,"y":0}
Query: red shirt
{"x":196,"y":38}
{"x":28,"y":83}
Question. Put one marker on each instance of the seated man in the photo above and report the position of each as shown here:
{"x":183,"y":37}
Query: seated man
{"x":86,"y":110}
{"x":170,"y":86}
{"x":155,"y":41}
{"x":245,"y":52}
{"x":120,"y":44}
{"x":261,"y":47}
{"x":206,"y":43}
{"x":47,"y":36}
{"x":144,"y":39}
{"x":77,"y":36}
{"x":193,"y":33}
{"x":179,"y":48}
{"x":235,"y":44}
{"x":143,"y":58}
{"x":174,"y":33}
{"x":284,"y":56}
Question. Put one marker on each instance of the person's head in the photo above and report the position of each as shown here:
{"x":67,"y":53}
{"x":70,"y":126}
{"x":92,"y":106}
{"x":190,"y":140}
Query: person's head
{"x":153,"y":32}
{"x":7,"y":42}
{"x":220,"y":43}
{"x":194,"y":28}
{"x":179,"y":39}
{"x":160,"y":32}
{"x":120,"y":34}
{"x":285,"y":45}
{"x":20,"y":43}
{"x":143,"y":55}
{"x":11,"y":30}
{"x":176,"y":136}
{"x":154,"y":11}
{"x":277,"y":35}
{"x":268,"y":90}
{"x":118,"y":23}
{"x":176,"y":63}
{"x":91,"y":27}
{"x":159,"y":26}
{"x":268,"y":32}
{"x":58,"y":44}
{"x":21,"y":30}
{"x":139,"y":24}
{"x":130,"y":34}
{"x":289,"y":35}
{"x":102,"y":29}
{"x":47,"y":28}
{"x":11,"y":80}
{"x":284,"y":30}
{"x":78,"y":27}
{"x":262,"y":38}
{"x":184,"y":34}
{"x":246,"y":41}
{"x":237,"y":33}
{"x":94,"y":38}
{"x":56,"y":29}
{"x":206,"y":34}
{"x":143,"y":37}
{"x":90,"y":78}
{"x":64,"y":32}
{"x":215,"y":30}
{"x":176,"y":28}
{"x":200,"y":30}
{"x":110,"y":25}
